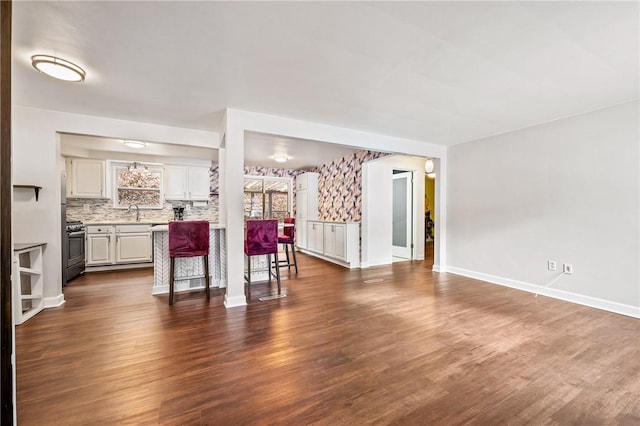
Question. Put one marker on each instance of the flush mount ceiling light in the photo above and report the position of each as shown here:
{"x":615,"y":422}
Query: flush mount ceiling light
{"x":280,"y":158}
{"x":135,"y":144}
{"x":58,"y":68}
{"x":138,"y":167}
{"x":428,"y":166}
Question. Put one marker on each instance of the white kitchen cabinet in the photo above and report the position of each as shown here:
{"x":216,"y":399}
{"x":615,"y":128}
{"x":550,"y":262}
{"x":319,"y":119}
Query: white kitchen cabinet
{"x":306,"y":205}
{"x":305,"y":179}
{"x":186,"y":183}
{"x":334,"y":237}
{"x":338,"y":242}
{"x":99,"y":250}
{"x":28,"y":287}
{"x":133,"y":243}
{"x":198,"y":183}
{"x":315,"y":239}
{"x":118,"y":244}
{"x":85,"y":178}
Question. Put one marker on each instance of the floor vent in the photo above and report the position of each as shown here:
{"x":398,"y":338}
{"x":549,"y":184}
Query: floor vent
{"x":373,"y":281}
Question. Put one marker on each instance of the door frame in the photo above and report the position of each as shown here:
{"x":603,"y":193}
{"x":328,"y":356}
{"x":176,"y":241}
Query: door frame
{"x":408,"y":252}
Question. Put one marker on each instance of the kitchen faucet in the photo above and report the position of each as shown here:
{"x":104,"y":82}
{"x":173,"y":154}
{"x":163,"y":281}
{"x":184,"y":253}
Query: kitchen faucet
{"x":137,"y":211}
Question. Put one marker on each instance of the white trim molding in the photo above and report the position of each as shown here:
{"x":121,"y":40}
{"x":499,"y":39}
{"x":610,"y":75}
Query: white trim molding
{"x":233,"y":302}
{"x":54,"y":302}
{"x":592,"y":302}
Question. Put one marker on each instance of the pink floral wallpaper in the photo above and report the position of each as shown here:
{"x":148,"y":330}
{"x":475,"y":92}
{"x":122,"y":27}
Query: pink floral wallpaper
{"x":340,"y":187}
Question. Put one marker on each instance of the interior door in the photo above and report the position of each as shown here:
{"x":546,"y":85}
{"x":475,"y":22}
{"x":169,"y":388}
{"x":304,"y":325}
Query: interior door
{"x":402,"y":229}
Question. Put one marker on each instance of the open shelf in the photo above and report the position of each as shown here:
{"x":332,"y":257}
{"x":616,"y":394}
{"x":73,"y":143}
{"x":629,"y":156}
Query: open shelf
{"x":27,"y":281}
{"x":35,"y":188}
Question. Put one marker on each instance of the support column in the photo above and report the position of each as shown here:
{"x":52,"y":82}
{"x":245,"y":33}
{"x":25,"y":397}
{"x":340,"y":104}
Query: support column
{"x":233,"y":188}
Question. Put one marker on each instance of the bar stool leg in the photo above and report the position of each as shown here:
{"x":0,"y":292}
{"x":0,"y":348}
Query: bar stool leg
{"x":286,"y":252}
{"x":248,"y":277}
{"x":278,"y":272}
{"x":206,"y":275}
{"x":171,"y":279}
{"x":295,"y":261}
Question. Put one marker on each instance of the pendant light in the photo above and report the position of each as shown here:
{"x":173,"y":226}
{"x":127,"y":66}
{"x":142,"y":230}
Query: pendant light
{"x":138,"y":167}
{"x":428,"y":166}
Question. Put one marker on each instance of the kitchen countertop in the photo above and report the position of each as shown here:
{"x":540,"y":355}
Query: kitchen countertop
{"x":165,"y":228}
{"x":121,"y":222}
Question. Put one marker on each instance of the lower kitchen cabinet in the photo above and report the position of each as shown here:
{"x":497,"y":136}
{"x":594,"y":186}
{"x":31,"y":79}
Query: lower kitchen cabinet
{"x":315,"y":240}
{"x":118,"y":244}
{"x":334,"y":240}
{"x":99,"y":245}
{"x":338,"y":242}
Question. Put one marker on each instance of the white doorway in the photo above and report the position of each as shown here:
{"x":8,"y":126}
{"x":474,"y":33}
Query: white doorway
{"x":402,"y":227}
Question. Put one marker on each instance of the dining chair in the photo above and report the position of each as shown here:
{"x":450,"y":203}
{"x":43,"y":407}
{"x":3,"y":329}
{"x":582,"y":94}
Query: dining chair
{"x":287,"y":238}
{"x":261,"y":238}
{"x":188,"y":238}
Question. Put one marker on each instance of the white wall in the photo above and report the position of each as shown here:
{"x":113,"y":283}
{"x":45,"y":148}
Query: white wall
{"x":567,"y":190}
{"x":377,"y":207}
{"x":36,"y":160}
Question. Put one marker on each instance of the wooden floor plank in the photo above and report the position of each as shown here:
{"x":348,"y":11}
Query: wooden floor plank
{"x":397,"y":344}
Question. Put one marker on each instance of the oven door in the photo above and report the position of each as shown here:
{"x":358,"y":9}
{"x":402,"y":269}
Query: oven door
{"x":75,"y":261}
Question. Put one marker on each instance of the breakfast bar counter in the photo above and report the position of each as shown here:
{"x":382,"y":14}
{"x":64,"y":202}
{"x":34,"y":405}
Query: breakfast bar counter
{"x":189,"y":271}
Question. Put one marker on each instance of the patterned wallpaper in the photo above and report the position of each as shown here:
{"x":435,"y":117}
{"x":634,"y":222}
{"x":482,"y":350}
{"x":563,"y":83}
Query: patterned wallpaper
{"x":340,"y":187}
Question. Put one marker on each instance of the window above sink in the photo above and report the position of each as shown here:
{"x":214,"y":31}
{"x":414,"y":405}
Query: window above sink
{"x":141,"y":185}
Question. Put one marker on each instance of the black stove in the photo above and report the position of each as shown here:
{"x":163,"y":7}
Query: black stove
{"x":74,"y":249}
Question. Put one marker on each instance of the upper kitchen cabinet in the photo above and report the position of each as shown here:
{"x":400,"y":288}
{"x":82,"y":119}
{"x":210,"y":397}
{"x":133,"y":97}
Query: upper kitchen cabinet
{"x":85,"y":178}
{"x":186,"y":183}
{"x":307,"y":180}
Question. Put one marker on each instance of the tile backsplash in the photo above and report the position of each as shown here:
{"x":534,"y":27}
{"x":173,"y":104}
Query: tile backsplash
{"x":101,"y":210}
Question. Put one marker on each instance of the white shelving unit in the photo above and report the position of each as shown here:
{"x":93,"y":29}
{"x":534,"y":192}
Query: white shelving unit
{"x":28,"y":290}
{"x":306,"y":205}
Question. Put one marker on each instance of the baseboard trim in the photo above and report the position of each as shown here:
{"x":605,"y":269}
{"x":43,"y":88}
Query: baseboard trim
{"x":54,"y":302}
{"x":376,"y":262}
{"x":567,"y":296}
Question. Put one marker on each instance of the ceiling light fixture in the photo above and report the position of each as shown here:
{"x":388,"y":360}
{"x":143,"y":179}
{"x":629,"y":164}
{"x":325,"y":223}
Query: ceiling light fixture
{"x":138,"y":167}
{"x":58,"y":68}
{"x":280,"y":158}
{"x":428,"y":166}
{"x":135,"y":144}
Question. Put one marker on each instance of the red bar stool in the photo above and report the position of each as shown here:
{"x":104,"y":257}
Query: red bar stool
{"x":261,"y":237}
{"x":189,"y":238}
{"x":287,"y":238}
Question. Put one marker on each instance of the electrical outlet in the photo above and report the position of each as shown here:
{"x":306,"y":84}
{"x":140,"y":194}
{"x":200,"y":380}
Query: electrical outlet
{"x":85,"y":207}
{"x":567,"y":268}
{"x":551,"y":265}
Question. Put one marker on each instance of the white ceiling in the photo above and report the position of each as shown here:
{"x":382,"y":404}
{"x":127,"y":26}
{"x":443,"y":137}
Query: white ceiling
{"x":259,"y":151}
{"x":440,"y":72}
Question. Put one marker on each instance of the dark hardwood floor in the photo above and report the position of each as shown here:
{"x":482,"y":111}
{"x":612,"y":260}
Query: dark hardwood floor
{"x":344,"y":348}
